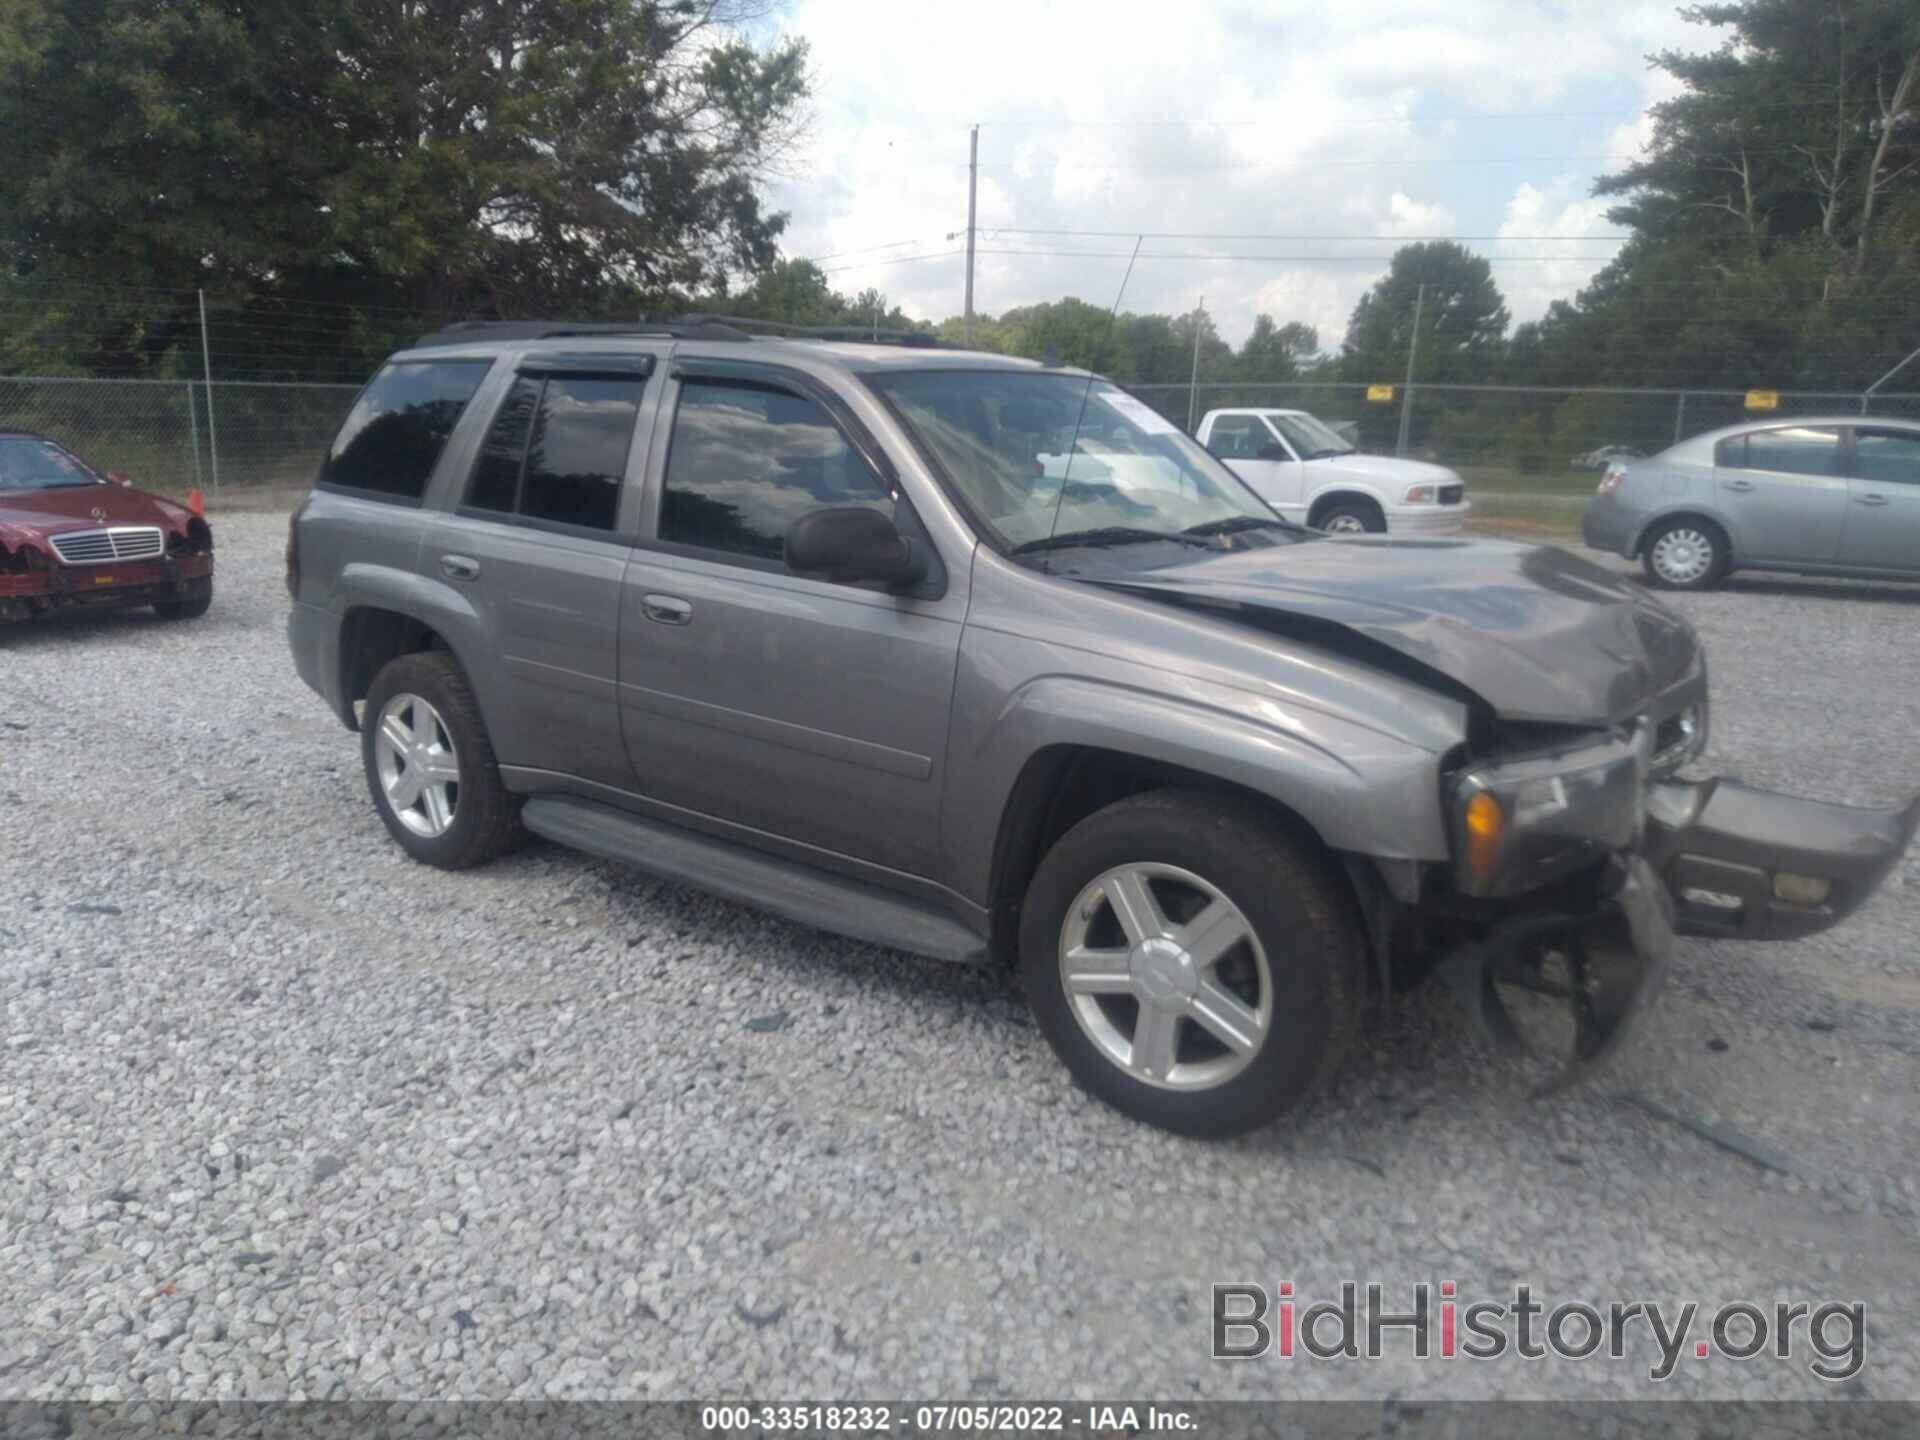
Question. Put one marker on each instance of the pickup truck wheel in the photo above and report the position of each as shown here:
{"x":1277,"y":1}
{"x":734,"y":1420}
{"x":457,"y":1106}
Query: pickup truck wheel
{"x":1352,"y":519}
{"x":1194,"y":965}
{"x":197,"y":601}
{"x":430,"y":766}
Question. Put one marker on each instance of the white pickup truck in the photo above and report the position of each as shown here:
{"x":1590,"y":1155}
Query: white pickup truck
{"x":1310,"y":474}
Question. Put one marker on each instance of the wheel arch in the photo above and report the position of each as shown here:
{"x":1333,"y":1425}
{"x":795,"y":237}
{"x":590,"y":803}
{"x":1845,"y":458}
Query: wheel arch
{"x":1704,"y":514}
{"x":384,"y":615}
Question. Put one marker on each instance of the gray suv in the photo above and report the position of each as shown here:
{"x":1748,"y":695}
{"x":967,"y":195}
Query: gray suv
{"x":985,"y":660}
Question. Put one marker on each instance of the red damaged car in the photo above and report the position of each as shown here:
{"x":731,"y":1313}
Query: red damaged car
{"x":71,"y":536}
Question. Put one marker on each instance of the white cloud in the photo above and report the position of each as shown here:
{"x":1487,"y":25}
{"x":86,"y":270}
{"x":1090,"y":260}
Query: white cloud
{"x":1310,"y":122}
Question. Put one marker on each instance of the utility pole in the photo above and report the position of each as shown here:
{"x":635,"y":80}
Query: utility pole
{"x":1193,"y":386}
{"x":206,"y":370}
{"x":1413,"y":350}
{"x":1866,"y":397}
{"x":973,"y":187}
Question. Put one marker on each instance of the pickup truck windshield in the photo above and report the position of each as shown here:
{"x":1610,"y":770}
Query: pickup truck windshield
{"x":1046,"y":461}
{"x":29,"y":464}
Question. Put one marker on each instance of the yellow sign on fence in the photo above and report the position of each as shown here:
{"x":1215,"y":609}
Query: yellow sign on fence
{"x":1763,"y":399}
{"x":1380,"y":393}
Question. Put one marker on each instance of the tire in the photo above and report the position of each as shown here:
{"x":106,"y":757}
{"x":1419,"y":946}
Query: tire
{"x":1299,"y":973}
{"x":1352,"y":517}
{"x":199,"y":599}
{"x":477,"y":818}
{"x":1672,"y":554}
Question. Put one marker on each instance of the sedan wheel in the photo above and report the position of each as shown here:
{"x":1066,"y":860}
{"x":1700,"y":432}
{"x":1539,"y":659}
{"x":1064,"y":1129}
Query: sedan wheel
{"x":418,"y":765}
{"x":1166,"y":977}
{"x":1686,"y":555}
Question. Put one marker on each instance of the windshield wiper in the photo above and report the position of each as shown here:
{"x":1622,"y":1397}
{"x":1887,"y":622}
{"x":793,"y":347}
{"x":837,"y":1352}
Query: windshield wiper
{"x":1234,"y":524}
{"x":1106,"y":535}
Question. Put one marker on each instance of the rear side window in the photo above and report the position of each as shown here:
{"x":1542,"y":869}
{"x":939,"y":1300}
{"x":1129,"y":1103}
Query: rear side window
{"x":1800,"y":450}
{"x":747,"y":461}
{"x":1891,"y":457}
{"x":398,"y":427}
{"x":557,"y":450}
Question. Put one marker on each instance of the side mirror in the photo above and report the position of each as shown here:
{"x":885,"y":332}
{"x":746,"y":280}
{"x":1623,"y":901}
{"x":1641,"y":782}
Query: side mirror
{"x":1273,"y":452}
{"x":851,"y":543}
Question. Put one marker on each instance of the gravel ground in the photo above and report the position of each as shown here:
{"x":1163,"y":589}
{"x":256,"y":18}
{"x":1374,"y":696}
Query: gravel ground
{"x":284,"y":1114}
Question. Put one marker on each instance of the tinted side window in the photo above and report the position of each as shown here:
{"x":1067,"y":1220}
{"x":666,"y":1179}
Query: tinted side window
{"x":1238,"y":437}
{"x":577,"y":456}
{"x":1731,"y":454}
{"x":1889,"y":456}
{"x":746,"y":461}
{"x":399,"y":425}
{"x":557,"y":450}
{"x":1802,"y":450}
{"x":496,"y":475}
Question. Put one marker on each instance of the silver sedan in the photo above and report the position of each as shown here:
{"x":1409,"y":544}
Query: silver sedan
{"x":1825,"y":496}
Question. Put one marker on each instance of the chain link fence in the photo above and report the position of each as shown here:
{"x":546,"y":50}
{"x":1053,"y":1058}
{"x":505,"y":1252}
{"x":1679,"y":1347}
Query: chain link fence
{"x":178,"y":435}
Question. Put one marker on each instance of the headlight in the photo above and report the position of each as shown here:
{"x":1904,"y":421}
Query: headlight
{"x":1419,"y":495}
{"x":1521,"y":824}
{"x":1681,"y":737}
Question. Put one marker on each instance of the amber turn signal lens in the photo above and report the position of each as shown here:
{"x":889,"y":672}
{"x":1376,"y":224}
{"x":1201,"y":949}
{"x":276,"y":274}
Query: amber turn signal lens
{"x":1485,"y":823}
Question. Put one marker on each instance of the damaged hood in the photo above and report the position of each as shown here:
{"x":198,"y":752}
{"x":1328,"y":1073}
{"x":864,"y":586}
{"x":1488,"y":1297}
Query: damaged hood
{"x":1535,"y":631}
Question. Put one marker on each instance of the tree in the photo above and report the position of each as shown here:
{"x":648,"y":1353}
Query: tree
{"x":489,"y":157}
{"x":1463,"y":320}
{"x":1273,"y":353}
{"x":796,"y":292}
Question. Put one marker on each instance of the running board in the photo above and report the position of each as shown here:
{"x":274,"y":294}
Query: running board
{"x":801,"y":893}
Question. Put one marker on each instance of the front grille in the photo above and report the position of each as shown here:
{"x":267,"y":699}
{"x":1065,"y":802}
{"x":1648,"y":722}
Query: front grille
{"x":102,"y":547}
{"x":1450,"y":494}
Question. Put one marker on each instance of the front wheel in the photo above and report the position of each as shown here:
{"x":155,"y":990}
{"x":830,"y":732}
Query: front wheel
{"x":1194,"y":964}
{"x":191,"y":606}
{"x":430,"y":764}
{"x":1353,"y":519}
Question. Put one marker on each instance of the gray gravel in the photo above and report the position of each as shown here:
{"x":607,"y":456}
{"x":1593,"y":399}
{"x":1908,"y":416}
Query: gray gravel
{"x":283,"y":1114}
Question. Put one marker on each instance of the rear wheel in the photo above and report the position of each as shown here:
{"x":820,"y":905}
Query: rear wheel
{"x":1195,"y":965}
{"x":1352,"y":517}
{"x":191,"y":606}
{"x":430,"y":765}
{"x":1686,"y":554}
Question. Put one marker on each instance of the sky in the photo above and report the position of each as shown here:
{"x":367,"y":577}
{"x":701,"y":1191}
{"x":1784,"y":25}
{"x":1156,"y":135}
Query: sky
{"x":1273,"y":154}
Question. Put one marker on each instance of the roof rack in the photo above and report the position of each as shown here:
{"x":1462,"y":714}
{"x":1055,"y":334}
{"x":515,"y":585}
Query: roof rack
{"x":858,"y":334}
{"x":461,"y":332}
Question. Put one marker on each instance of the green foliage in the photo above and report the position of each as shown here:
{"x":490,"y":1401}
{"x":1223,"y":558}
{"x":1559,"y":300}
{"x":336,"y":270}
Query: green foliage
{"x":1463,"y":320}
{"x":569,"y":157}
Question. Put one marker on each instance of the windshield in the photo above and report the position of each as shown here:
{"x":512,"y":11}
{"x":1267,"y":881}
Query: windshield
{"x":29,"y":464}
{"x":1310,"y":438}
{"x":1006,"y":442}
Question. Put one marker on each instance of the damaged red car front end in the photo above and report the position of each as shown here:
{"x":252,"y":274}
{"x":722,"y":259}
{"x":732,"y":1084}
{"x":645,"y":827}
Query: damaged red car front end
{"x":71,"y":537}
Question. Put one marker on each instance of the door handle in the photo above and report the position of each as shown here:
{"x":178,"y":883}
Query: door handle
{"x":1740,"y":485}
{"x":460,"y":567}
{"x":1871,"y":499}
{"x":667,"y":609}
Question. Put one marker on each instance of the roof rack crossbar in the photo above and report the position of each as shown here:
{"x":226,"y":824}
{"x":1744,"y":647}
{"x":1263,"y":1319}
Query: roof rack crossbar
{"x":461,"y":332}
{"x":859,"y":334}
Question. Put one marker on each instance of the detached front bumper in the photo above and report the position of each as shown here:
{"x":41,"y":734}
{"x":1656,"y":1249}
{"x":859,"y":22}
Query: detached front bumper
{"x":1747,"y":864}
{"x":1715,"y":859}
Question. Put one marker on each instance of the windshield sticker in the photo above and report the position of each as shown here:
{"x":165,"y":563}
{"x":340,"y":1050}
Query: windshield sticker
{"x":1147,"y":418}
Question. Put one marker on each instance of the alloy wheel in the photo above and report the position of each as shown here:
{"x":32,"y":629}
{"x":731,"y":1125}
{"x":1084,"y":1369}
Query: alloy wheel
{"x":1345,"y":524}
{"x":1166,"y":977}
{"x":419,"y":768}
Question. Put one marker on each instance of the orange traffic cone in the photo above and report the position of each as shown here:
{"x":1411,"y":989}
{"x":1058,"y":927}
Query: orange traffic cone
{"x":196,"y":504}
